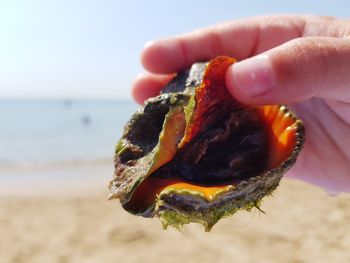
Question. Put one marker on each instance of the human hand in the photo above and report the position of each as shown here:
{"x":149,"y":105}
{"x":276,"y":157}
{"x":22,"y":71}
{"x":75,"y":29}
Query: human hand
{"x":301,"y":61}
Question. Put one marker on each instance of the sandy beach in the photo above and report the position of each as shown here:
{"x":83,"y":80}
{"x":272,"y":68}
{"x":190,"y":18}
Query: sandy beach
{"x":77,"y":224}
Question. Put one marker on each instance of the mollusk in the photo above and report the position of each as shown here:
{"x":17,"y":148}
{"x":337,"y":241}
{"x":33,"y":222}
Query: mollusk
{"x":194,"y":154}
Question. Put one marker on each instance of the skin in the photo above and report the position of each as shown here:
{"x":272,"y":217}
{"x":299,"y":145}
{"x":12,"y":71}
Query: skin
{"x":301,"y":61}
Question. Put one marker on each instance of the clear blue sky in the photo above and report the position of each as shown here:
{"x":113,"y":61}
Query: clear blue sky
{"x":82,"y":48}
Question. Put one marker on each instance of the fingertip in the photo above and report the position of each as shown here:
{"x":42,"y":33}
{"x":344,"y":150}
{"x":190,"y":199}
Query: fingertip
{"x":147,"y":85}
{"x":251,"y":80}
{"x":136,"y":89}
{"x":162,"y":57}
{"x":234,"y":88}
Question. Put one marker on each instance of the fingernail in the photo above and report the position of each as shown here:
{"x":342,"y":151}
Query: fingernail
{"x":253,"y":76}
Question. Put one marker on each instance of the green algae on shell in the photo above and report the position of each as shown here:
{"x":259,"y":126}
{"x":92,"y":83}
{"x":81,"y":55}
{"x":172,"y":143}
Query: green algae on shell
{"x":194,"y":154}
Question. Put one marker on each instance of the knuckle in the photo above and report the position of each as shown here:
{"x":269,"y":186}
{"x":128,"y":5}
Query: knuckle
{"x":310,"y":62}
{"x":313,"y":58}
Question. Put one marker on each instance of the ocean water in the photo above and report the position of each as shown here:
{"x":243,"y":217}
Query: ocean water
{"x":49,"y":131}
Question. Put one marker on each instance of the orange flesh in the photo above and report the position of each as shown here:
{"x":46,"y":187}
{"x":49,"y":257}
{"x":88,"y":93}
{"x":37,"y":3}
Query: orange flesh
{"x":148,"y":190}
{"x":208,"y":192}
{"x":280,"y":128}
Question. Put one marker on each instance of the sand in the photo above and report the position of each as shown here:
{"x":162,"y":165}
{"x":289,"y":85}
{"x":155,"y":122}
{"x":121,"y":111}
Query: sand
{"x":301,"y":223}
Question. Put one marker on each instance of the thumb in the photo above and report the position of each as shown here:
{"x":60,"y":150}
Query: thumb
{"x":297,"y":70}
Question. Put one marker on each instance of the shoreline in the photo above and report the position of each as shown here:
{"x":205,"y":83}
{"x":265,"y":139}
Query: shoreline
{"x":58,"y":178}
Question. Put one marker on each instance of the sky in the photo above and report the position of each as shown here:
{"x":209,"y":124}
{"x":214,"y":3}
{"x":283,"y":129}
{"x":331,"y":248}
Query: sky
{"x":91,"y":49}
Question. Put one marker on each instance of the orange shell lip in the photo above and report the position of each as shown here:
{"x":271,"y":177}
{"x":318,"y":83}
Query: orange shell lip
{"x":283,"y":130}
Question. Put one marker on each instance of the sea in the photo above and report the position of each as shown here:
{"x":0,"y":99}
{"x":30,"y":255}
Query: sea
{"x":44,"y":131}
{"x":59,"y":144}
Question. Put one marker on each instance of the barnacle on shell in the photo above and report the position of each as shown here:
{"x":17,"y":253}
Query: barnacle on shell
{"x":194,"y":154}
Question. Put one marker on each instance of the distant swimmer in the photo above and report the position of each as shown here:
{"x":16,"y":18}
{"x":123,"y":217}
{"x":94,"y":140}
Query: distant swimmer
{"x":86,"y":120}
{"x":67,"y":102}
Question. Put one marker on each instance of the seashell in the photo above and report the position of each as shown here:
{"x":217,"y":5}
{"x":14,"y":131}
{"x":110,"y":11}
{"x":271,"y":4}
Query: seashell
{"x":195,"y":154}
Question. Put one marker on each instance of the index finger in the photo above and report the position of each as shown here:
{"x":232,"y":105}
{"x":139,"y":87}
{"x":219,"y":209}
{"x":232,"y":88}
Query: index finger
{"x":240,"y":39}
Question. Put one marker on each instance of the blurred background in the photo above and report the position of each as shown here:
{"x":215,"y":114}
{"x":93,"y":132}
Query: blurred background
{"x":65,"y":72}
